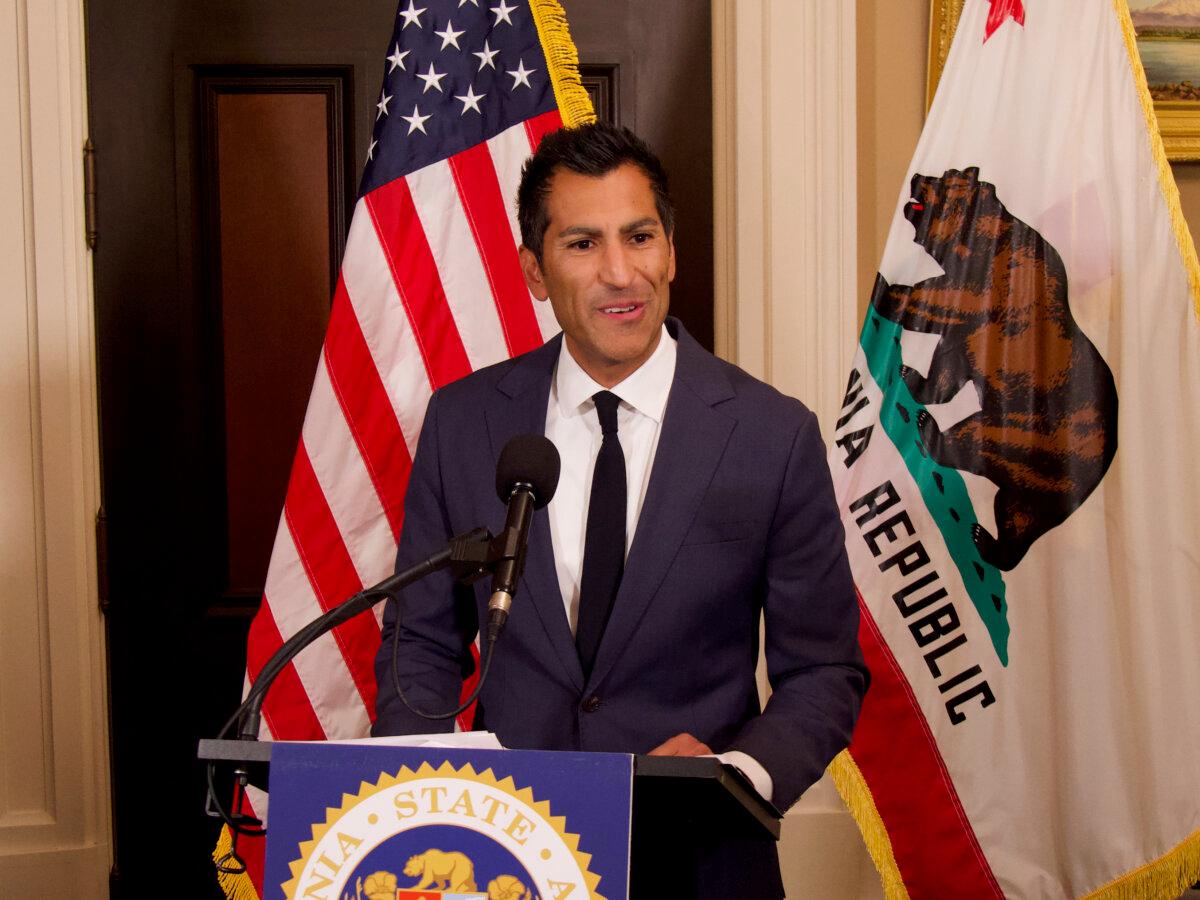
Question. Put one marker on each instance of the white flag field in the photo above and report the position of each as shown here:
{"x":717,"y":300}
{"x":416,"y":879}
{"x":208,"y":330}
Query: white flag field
{"x":1015,"y":464}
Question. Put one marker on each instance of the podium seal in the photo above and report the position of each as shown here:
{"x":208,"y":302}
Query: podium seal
{"x":450,"y":833}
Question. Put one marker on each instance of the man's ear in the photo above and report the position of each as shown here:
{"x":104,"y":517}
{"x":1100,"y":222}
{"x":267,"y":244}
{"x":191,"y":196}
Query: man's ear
{"x":671,"y":263}
{"x":532,"y":271}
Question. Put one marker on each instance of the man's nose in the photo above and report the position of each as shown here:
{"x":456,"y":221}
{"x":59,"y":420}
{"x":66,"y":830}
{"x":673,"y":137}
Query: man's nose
{"x":615,"y":267}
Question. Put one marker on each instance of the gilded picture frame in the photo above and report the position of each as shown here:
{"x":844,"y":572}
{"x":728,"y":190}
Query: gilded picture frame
{"x":1178,"y":120}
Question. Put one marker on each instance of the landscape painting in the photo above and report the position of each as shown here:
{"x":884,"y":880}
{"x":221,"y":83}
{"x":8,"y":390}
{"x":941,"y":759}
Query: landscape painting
{"x":1168,"y":37}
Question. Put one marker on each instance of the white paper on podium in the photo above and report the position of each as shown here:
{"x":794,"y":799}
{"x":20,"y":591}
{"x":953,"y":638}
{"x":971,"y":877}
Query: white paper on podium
{"x":461,"y":740}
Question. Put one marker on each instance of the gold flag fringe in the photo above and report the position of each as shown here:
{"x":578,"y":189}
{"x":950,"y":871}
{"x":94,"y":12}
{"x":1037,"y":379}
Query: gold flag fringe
{"x":849,"y":781}
{"x":1166,"y":877}
{"x":574,"y":104}
{"x":236,"y":887}
{"x":1166,"y":179}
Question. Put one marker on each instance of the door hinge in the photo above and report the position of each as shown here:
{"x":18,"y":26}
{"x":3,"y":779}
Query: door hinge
{"x":102,"y":561}
{"x":89,"y":193}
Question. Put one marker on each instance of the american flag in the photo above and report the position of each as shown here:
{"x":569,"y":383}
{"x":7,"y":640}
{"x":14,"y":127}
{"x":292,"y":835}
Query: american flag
{"x":430,"y":290}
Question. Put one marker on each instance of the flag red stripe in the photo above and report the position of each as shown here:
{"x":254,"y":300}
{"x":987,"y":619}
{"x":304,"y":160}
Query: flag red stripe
{"x":483,"y":202}
{"x":287,"y":709}
{"x":369,"y":413}
{"x":415,"y":275}
{"x":540,"y":126}
{"x":330,"y":570}
{"x":253,"y":851}
{"x":934,"y":845}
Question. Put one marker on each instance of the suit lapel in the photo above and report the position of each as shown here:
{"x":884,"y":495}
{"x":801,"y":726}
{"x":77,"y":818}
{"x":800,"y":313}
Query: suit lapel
{"x":519,"y":407}
{"x":691,"y":444}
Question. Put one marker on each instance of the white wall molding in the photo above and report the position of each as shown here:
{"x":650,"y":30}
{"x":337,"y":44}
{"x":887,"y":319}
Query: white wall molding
{"x":785,"y":175}
{"x":785,"y":208}
{"x":54,"y":794}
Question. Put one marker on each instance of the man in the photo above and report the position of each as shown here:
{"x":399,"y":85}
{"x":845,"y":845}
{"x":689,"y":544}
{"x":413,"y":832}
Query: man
{"x":693,"y":499}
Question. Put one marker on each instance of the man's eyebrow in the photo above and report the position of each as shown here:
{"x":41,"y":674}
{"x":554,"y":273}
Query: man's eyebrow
{"x":580,"y":231}
{"x":590,"y":231}
{"x":647,"y":222}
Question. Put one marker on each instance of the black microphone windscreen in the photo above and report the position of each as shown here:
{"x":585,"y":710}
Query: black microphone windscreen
{"x":532,"y":459}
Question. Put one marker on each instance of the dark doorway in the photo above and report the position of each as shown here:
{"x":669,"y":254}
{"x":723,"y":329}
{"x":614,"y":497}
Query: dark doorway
{"x":229,"y":137}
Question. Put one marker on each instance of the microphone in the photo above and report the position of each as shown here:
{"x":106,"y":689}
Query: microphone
{"x":526,"y":478}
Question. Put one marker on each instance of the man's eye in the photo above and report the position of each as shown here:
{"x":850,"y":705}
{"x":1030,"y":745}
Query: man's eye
{"x":582,"y":244}
{"x":641,"y":237}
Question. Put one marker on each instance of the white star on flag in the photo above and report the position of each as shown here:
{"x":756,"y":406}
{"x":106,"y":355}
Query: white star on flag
{"x":485,"y":56}
{"x":470,"y":101}
{"x":450,"y":36}
{"x":432,"y":79}
{"x":521,"y":75}
{"x":412,"y":16}
{"x":371,"y":150}
{"x":384,"y":99}
{"x":397,"y":60}
{"x":501,"y":13}
{"x":462,"y":3}
{"x":416,"y":122}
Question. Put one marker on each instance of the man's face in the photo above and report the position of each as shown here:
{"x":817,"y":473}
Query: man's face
{"x":607,"y":266}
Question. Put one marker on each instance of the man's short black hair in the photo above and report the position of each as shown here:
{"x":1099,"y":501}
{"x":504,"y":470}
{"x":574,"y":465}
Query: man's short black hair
{"x":593,"y":150}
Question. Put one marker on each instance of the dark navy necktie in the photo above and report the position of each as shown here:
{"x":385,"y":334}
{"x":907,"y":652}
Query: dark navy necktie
{"x":604,"y":544}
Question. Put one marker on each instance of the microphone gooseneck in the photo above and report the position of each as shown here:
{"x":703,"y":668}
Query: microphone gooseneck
{"x":526,"y":478}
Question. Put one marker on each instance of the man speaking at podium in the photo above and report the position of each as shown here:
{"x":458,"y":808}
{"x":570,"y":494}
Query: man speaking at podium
{"x":693,"y":499}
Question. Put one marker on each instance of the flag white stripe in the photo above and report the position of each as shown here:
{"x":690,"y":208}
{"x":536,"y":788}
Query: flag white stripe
{"x":320,"y":666}
{"x":460,"y":268}
{"x":385,"y":326}
{"x":346,"y":483}
{"x":509,"y":150}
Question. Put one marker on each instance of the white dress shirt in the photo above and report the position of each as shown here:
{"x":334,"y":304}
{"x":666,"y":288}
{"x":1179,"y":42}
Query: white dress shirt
{"x":574,"y":428}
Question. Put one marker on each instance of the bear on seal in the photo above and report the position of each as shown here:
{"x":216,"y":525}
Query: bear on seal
{"x":1047,"y":431}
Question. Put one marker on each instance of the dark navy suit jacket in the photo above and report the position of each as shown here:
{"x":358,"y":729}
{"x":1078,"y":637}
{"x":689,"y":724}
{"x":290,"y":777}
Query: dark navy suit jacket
{"x":739,"y":518}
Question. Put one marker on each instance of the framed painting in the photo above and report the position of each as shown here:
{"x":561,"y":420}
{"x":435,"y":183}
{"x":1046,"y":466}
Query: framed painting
{"x":1168,"y":41}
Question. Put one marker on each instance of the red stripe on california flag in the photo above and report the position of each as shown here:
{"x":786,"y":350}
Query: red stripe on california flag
{"x":369,"y":413}
{"x":415,"y":275}
{"x":287,"y":709}
{"x":540,"y":126}
{"x":896,"y":753}
{"x":330,"y":571}
{"x":483,"y":203}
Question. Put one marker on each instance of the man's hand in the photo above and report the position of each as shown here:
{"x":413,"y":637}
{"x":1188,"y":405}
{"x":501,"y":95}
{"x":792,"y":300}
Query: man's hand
{"x":681,"y":745}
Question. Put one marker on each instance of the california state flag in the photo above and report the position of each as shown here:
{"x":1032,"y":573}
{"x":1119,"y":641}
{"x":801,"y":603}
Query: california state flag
{"x":1017,"y":468}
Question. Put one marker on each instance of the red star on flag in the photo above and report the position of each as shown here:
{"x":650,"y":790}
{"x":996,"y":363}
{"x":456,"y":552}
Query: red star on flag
{"x":1001,"y":11}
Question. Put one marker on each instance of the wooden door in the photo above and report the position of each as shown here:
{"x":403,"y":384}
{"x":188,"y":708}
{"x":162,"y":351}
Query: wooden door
{"x":228,"y":140}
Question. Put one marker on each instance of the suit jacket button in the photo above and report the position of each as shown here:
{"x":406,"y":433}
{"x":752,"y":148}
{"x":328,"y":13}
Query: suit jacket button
{"x":591,"y":704}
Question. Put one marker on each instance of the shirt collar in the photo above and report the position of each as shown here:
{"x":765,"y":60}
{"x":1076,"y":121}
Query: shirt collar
{"x":646,"y":389}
